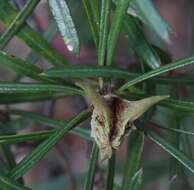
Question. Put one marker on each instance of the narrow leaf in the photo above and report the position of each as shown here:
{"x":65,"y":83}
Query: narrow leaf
{"x":3,"y":167}
{"x":152,"y":18}
{"x":65,"y":24}
{"x":180,"y":131}
{"x":139,"y":44}
{"x":14,"y":88}
{"x":17,"y":22}
{"x":13,"y":139}
{"x":21,"y":67}
{"x":132,"y":10}
{"x":172,"y":66}
{"x":39,"y":152}
{"x":39,"y":118}
{"x":28,"y":97}
{"x":95,"y":8}
{"x":103,"y":33}
{"x":84,"y":71}
{"x":92,"y":168}
{"x":48,"y":35}
{"x":34,"y":136}
{"x":75,"y":71}
{"x":8,"y":155}
{"x":115,"y":28}
{"x":15,"y":125}
{"x":30,"y":37}
{"x":91,"y":16}
{"x":185,"y":106}
{"x":135,"y":150}
{"x":177,"y":154}
{"x":42,"y":119}
{"x":137,"y":181}
{"x":8,"y":184}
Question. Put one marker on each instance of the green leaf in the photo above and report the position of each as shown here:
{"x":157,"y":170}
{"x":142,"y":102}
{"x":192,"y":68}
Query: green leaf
{"x":17,"y":22}
{"x":95,"y":8}
{"x":39,"y":152}
{"x":172,"y":80}
{"x":103,"y":33}
{"x":84,"y":71}
{"x":180,"y":105}
{"x":139,"y":44}
{"x":30,"y":37}
{"x":137,"y":181}
{"x":42,"y":119}
{"x":177,"y":154}
{"x":8,"y":184}
{"x":152,"y":18}
{"x":3,"y":167}
{"x":8,"y":155}
{"x":117,"y":21}
{"x":22,"y":88}
{"x":78,"y":71}
{"x":15,"y":125}
{"x":65,"y":24}
{"x":172,"y":66}
{"x":48,"y":35}
{"x":164,"y":55}
{"x":111,"y":173}
{"x":132,"y":11}
{"x":21,"y":67}
{"x":13,"y":139}
{"x":93,"y":19}
{"x":29,"y":97}
{"x":92,"y":168}
{"x":135,"y":150}
{"x":175,"y":130}
{"x":39,"y":118}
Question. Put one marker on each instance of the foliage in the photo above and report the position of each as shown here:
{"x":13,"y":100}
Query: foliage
{"x":107,"y":21}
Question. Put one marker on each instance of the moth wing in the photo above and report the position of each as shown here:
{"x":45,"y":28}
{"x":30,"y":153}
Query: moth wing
{"x":100,"y":132}
{"x":128,"y":112}
{"x":122,"y":122}
{"x":139,"y":107}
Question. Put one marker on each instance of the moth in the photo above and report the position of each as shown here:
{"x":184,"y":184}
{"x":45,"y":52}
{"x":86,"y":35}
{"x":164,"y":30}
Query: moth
{"x":113,"y":117}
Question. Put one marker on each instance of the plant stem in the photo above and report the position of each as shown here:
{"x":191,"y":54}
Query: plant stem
{"x":92,"y":168}
{"x":111,"y":173}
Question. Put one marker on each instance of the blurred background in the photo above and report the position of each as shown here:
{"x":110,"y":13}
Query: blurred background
{"x":65,"y":166}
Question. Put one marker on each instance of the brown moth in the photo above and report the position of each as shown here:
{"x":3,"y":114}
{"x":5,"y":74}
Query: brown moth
{"x":113,"y":117}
